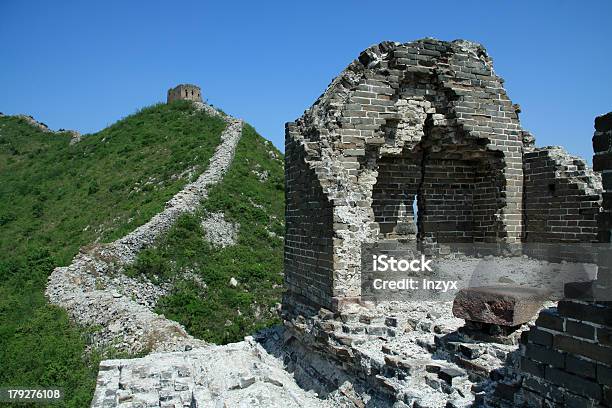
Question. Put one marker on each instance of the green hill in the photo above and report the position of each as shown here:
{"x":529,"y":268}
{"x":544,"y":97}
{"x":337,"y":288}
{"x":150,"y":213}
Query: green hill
{"x":56,"y":197}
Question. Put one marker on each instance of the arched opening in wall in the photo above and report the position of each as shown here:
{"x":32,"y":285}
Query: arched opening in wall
{"x":445,"y":189}
{"x":394,"y":196}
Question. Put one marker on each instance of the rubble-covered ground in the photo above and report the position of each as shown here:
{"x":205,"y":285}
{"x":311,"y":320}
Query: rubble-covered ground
{"x":389,"y":354}
{"x":241,"y":374}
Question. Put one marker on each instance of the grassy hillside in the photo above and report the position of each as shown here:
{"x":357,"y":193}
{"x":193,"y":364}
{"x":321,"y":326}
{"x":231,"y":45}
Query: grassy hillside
{"x":63,"y":196}
{"x":221,"y":313}
{"x":55,"y":198}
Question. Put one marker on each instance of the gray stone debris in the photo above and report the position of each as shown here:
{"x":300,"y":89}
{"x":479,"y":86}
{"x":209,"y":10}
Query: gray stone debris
{"x":235,"y":375}
{"x":94,"y":292}
{"x":218,"y":231}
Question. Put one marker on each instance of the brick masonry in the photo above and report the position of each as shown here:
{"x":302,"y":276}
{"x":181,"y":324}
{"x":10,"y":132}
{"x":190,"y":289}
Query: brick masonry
{"x":567,"y":356}
{"x":187,"y":92}
{"x":562,"y":197}
{"x":425,"y":125}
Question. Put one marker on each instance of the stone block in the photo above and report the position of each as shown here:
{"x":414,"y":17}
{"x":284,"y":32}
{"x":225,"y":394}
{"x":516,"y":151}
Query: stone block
{"x":594,"y":313}
{"x":580,"y":366}
{"x":602,"y":142}
{"x":576,"y":401}
{"x":541,"y":337}
{"x":580,"y":329}
{"x":584,"y":348}
{"x":532,"y":367}
{"x":550,"y":319}
{"x":602,"y":161}
{"x":607,"y":399}
{"x":603,"y":123}
{"x":604,"y":336}
{"x":447,"y":374}
{"x":545,"y":388}
{"x":574,"y":383}
{"x":587,"y":291}
{"x":501,"y":305}
{"x":545,"y":355}
{"x":604,"y":375}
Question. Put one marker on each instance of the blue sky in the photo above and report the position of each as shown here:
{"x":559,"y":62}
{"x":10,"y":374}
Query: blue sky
{"x":83,"y":65}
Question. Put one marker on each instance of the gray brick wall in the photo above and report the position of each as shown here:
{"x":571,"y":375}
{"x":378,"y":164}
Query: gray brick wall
{"x":185,"y":92}
{"x":567,"y":356}
{"x":427,"y":120}
{"x":562,"y":197}
{"x":309,"y":231}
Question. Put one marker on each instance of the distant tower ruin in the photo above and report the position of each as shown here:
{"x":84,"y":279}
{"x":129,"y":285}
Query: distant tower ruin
{"x":185,"y":92}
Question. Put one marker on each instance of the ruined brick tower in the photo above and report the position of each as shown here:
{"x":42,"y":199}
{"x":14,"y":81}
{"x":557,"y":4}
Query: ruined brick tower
{"x":425,"y":125}
{"x":185,"y":92}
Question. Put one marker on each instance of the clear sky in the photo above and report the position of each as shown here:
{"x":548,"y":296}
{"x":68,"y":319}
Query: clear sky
{"x":83,"y":65}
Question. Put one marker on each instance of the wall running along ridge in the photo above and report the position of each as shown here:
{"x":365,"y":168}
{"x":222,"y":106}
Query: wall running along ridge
{"x":126,"y":324}
{"x":425,"y":124}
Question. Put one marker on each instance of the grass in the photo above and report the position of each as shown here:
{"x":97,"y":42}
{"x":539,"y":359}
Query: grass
{"x":55,"y":198}
{"x":61,"y":196}
{"x":221,"y":313}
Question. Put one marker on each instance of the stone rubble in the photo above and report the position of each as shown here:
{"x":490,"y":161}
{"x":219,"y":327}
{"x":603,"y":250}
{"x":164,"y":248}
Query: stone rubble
{"x":415,"y":353}
{"x":117,"y":308}
{"x":261,"y":175}
{"x":218,"y":231}
{"x":241,"y":374}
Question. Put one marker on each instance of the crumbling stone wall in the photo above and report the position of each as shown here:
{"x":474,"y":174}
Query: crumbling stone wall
{"x":425,"y":125}
{"x":562,"y":197}
{"x":435,"y":108}
{"x":602,"y":162}
{"x":567,"y":357}
{"x":309,"y":232}
{"x":185,"y":92}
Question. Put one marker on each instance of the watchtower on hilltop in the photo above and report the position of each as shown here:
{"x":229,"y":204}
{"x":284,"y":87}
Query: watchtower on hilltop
{"x":186,"y":92}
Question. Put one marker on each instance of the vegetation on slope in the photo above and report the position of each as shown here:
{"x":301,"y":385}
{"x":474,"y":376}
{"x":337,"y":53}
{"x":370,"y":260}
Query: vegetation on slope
{"x":63,"y":196}
{"x":55,"y":198}
{"x":221,"y":313}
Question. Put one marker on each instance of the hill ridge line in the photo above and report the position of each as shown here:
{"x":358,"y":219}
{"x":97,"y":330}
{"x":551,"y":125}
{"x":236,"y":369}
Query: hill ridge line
{"x":93,"y":297}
